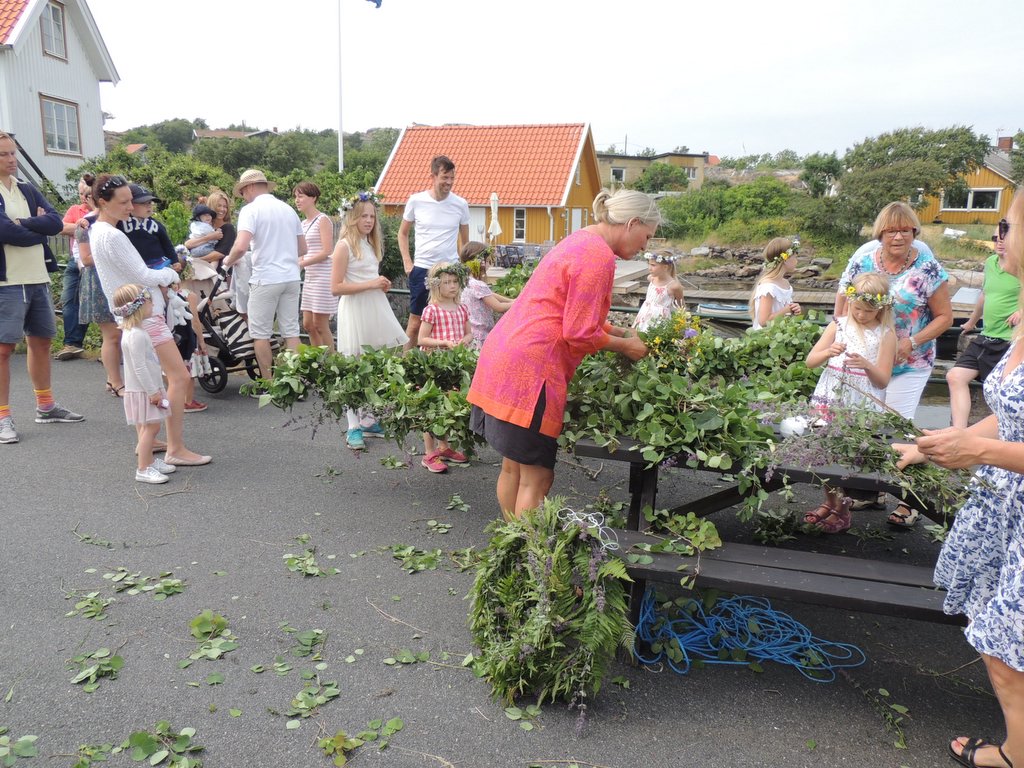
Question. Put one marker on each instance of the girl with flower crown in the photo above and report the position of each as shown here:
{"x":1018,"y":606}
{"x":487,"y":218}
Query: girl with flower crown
{"x":365,"y":318}
{"x":858,"y":352}
{"x":664,"y":294}
{"x":145,"y":400}
{"x":444,"y":324}
{"x":481,"y":302}
{"x":773,"y":295}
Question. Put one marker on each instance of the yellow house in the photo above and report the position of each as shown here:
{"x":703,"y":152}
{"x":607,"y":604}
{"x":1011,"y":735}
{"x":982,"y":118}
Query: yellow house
{"x":545,"y":176}
{"x":987,"y":198}
{"x":620,"y":170}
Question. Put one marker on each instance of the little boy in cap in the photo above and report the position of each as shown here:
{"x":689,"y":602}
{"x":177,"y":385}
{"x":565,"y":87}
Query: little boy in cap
{"x":200,"y":226}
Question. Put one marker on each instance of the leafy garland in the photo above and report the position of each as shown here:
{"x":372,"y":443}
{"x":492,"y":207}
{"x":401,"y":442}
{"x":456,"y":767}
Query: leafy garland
{"x":548,"y":607}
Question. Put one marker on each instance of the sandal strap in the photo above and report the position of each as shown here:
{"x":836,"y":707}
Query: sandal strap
{"x":1005,"y":758}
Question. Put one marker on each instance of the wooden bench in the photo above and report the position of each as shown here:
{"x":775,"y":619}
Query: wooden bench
{"x":872,"y":586}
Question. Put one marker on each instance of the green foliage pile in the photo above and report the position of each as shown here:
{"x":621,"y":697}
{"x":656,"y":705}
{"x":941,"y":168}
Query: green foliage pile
{"x":662,"y":177}
{"x":512,"y":282}
{"x":548,"y":608}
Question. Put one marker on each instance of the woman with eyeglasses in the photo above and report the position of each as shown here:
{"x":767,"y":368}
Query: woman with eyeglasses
{"x":922,"y":310}
{"x":981,"y":564}
{"x":118,"y":264}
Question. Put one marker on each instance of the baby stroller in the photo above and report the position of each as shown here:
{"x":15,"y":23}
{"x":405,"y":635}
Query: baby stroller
{"x":226,"y":331}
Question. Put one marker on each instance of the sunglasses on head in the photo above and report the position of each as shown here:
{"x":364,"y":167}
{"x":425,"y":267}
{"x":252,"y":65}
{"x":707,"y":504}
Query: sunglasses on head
{"x":114,"y":182}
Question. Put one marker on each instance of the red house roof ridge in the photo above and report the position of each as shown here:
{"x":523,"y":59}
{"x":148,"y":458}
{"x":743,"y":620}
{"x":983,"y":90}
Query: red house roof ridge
{"x":526,"y":164}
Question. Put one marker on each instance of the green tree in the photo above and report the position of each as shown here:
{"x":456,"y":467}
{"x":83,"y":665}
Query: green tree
{"x":957,"y":150}
{"x":820,"y":172}
{"x":787,"y":158}
{"x":233,"y":155}
{"x":647,"y":152}
{"x":289,"y":151}
{"x":682,"y":149}
{"x":866,"y":192}
{"x":765,"y":196}
{"x":1017,"y":158}
{"x":662,"y":177}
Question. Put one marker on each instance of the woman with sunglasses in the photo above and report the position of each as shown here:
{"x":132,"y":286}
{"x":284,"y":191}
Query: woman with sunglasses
{"x":997,"y":306}
{"x":981,"y":564}
{"x":921,"y":308}
{"x":118,"y":264}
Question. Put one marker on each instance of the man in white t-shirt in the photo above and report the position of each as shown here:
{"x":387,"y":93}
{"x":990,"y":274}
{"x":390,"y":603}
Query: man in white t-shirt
{"x":272,"y":227}
{"x":441,"y":221}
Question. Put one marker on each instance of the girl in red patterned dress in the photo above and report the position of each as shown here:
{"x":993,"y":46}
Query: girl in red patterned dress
{"x":444,"y":324}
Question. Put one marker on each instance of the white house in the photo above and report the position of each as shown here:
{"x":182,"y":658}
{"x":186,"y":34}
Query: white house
{"x":52,"y":60}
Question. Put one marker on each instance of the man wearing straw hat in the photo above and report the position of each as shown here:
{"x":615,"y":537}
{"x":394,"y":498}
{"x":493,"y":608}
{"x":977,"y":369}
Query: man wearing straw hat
{"x":274,"y":231}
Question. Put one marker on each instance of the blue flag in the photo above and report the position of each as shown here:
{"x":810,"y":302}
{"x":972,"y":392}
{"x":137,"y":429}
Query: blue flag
{"x":376,"y":2}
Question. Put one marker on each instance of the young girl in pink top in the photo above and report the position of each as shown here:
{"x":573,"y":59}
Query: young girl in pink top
{"x":444,"y":324}
{"x":478,"y":297}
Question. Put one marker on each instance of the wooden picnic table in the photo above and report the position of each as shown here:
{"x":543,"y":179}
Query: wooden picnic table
{"x":873,"y":586}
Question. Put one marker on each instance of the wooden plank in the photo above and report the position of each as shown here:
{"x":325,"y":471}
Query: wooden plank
{"x":812,"y":588}
{"x":807,"y":562}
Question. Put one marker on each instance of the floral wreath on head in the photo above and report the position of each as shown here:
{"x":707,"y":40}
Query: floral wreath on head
{"x":661,"y":258}
{"x":873,"y":300}
{"x":129,"y":309}
{"x":456,"y":269}
{"x":479,"y":260}
{"x":780,"y":258}
{"x":369,"y":196}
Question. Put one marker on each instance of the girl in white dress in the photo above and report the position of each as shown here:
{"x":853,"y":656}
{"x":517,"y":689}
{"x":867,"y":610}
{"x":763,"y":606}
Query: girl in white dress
{"x":773,"y":295}
{"x":664,"y":293}
{"x":365,"y":318}
{"x":858,"y":352}
{"x":144,"y":397}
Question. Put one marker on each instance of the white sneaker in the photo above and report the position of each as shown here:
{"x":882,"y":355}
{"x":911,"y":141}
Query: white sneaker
{"x":150,"y":475}
{"x":7,"y":432}
{"x":162,"y":466}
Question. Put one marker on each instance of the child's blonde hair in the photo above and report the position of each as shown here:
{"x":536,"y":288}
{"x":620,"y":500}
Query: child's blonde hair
{"x":663,"y":257}
{"x":127,"y":304}
{"x":871,"y":289}
{"x":778,"y":251}
{"x":475,"y":255}
{"x":351,"y":231}
{"x":457,"y":270}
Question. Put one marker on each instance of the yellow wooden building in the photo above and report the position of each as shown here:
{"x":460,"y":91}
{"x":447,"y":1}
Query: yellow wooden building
{"x":545,"y":176}
{"x":988,"y":195}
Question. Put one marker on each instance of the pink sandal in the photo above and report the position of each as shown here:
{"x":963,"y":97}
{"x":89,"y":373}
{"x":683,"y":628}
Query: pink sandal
{"x":838,"y":518}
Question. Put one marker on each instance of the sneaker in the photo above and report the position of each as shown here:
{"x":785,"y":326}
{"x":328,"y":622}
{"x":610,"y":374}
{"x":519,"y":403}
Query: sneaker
{"x":58,"y":415}
{"x":150,"y":475}
{"x":7,"y":433}
{"x":374,"y":430}
{"x":195,"y":407}
{"x":432,"y":461}
{"x":69,"y":352}
{"x":354,"y":440}
{"x":163,"y":467}
{"x":455,"y":457}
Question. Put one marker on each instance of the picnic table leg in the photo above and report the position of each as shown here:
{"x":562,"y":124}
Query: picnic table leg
{"x":643,"y":490}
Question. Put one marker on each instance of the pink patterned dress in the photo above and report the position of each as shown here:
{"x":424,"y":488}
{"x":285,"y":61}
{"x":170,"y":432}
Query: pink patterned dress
{"x":316,"y":286}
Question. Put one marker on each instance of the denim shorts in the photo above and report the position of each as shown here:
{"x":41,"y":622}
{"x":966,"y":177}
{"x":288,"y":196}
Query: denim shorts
{"x":418,"y":293}
{"x":26,"y":310}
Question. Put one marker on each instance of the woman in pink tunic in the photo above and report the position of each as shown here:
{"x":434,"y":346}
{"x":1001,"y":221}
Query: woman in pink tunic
{"x":522,"y":379}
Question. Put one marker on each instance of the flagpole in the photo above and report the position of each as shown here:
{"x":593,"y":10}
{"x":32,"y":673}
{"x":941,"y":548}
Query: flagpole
{"x":341,"y":133}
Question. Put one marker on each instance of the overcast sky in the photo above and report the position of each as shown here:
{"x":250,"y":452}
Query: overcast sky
{"x":730,"y":78}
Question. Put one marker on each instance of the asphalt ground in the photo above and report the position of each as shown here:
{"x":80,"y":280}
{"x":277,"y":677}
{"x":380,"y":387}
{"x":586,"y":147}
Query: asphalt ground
{"x":224,"y":529}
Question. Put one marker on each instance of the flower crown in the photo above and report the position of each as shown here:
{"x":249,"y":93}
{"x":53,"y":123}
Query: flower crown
{"x":780,"y":258}
{"x":133,"y":306}
{"x":661,"y":258}
{"x":368,"y":196}
{"x":874,"y":300}
{"x":457,"y":269}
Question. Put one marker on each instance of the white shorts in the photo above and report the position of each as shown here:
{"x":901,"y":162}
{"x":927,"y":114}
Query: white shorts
{"x":276,"y":299}
{"x":904,"y":391}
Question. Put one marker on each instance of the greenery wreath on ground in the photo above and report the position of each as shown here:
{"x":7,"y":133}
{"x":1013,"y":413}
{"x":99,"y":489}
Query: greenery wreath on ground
{"x":548,"y":607}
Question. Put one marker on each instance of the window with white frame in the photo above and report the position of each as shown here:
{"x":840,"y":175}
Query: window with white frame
{"x":52,"y":28}
{"x":971,"y":200}
{"x":60,"y":126}
{"x":691,"y":172}
{"x":519,"y":225}
{"x":619,"y":175}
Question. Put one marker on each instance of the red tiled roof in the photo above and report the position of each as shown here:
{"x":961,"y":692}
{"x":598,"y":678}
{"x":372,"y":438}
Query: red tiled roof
{"x":131,"y":149}
{"x":524,"y":164}
{"x":10,"y":12}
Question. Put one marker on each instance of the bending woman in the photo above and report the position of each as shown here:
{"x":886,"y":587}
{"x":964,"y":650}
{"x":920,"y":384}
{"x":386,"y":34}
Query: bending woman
{"x":522,"y":378}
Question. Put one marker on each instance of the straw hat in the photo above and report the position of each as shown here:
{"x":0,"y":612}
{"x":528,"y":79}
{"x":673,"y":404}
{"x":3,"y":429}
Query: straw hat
{"x":252,"y":176}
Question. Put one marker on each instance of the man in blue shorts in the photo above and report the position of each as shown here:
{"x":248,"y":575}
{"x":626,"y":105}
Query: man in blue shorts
{"x":441,"y":221}
{"x":26,"y":310}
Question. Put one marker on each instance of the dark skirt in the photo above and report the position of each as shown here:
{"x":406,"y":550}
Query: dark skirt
{"x":92,"y":302}
{"x":519,"y":444}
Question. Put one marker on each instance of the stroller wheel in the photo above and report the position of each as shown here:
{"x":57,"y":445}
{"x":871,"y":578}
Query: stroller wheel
{"x":252,"y":368}
{"x":217,"y":380}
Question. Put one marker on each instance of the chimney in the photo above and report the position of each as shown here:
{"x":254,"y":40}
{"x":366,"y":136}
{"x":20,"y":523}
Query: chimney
{"x":1005,"y":143}
{"x":274,"y":129}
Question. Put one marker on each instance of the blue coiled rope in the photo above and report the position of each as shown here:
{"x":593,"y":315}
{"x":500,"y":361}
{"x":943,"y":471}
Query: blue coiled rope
{"x":740,"y":624}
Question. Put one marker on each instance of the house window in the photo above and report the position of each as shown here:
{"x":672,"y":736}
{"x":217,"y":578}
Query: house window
{"x":971,"y":200}
{"x":60,"y":127}
{"x":619,"y":175}
{"x":691,"y":172}
{"x":519,"y":225}
{"x":52,"y":24}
